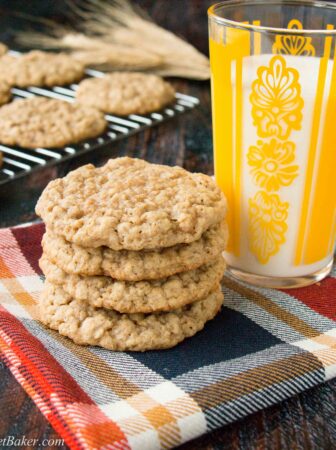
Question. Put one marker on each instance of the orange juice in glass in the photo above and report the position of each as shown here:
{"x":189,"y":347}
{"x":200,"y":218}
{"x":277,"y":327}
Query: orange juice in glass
{"x":273,"y":83}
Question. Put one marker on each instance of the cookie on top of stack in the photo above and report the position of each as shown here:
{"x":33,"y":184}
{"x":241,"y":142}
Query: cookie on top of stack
{"x":132,"y":254}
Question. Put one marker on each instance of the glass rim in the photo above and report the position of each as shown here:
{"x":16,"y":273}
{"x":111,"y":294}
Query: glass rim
{"x":213,"y":16}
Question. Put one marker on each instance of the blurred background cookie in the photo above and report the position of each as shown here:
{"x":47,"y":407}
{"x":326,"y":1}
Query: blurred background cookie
{"x":124,"y":93}
{"x":37,"y":68}
{"x":42,"y":122}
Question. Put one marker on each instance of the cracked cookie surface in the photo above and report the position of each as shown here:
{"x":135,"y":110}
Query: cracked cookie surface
{"x":165,"y":294}
{"x":131,"y":204}
{"x":112,"y":330}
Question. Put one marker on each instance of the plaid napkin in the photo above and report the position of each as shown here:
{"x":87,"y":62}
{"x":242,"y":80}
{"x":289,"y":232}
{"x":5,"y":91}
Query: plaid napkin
{"x":264,"y":346}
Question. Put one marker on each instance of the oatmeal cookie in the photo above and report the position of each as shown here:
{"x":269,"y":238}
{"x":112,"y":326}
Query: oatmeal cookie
{"x":133,"y":265}
{"x":124,"y":93}
{"x":110,"y":329}
{"x":131,"y":204}
{"x":165,"y":294}
{"x":38,"y":68}
{"x":43,"y":122}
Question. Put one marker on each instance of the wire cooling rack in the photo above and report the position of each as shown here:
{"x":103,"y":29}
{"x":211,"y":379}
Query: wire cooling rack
{"x":18,"y":162}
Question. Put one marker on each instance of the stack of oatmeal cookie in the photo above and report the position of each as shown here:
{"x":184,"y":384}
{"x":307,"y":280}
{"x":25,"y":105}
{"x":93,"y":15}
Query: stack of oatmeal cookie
{"x":132,"y":254}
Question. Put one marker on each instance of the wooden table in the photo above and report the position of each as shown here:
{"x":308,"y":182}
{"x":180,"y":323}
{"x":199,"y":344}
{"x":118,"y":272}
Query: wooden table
{"x":306,"y":421}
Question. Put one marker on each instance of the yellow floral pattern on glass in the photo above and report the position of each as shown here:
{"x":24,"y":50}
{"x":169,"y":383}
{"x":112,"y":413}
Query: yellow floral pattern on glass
{"x":276,"y":111}
{"x":276,"y":100}
{"x":267,"y":225}
{"x":293,"y":44}
{"x":272,"y":164}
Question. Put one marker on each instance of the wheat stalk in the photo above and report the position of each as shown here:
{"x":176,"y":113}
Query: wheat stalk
{"x":114,"y":35}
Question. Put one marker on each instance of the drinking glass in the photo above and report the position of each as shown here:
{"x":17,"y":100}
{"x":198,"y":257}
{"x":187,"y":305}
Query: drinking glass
{"x":273,"y":83}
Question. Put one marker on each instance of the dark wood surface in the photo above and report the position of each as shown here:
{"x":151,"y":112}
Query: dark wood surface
{"x":306,"y":421}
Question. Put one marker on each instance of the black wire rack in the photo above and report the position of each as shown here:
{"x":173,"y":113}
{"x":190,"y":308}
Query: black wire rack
{"x":18,"y":162}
